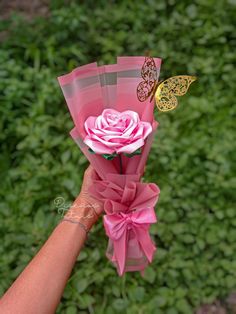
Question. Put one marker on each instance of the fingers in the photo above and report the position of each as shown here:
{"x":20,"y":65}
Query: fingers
{"x":90,"y":174}
{"x":88,"y":171}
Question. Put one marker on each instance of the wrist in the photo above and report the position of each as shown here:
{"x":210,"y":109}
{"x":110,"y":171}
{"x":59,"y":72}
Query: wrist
{"x":83,"y":211}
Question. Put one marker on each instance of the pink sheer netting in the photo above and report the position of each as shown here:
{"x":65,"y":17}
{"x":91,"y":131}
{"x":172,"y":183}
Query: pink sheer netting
{"x":128,"y":203}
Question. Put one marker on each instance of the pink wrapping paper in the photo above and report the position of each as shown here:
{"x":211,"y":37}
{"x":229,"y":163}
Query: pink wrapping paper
{"x":128,"y":203}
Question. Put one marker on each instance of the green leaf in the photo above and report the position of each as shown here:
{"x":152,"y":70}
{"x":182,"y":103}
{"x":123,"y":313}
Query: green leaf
{"x":109,"y":156}
{"x":159,"y":302}
{"x":91,"y":151}
{"x":137,"y":293}
{"x":183,"y":306}
{"x":72,"y":310}
{"x":82,"y":285}
{"x":149,"y":274}
{"x":85,"y":300}
{"x":136,"y":152}
{"x":120,"y":304}
{"x":82,"y":255}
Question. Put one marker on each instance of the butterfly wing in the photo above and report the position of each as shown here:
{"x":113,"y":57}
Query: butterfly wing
{"x":167,"y":91}
{"x":149,"y":75}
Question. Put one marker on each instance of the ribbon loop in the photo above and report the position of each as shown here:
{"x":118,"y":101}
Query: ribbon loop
{"x":117,"y":228}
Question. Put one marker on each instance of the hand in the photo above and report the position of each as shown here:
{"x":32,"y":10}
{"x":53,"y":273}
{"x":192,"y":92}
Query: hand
{"x":86,"y":208}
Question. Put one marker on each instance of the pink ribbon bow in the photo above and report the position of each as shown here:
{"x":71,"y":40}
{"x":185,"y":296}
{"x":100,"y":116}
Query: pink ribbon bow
{"x":119,"y":224}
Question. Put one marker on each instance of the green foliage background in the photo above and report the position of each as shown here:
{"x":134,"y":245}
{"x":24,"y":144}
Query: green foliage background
{"x":191,"y":159}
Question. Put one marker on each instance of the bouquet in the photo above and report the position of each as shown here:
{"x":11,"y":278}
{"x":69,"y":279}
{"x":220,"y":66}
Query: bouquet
{"x":112,"y":109}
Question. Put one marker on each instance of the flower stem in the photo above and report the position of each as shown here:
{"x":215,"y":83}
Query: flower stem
{"x":120,"y":160}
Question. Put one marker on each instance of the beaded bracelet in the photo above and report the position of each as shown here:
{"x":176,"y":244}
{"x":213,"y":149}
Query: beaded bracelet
{"x":77,"y":222}
{"x":85,"y":217}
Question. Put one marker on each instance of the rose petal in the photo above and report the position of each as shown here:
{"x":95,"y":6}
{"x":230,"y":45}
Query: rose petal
{"x":98,"y":139}
{"x":89,"y":123}
{"x":98,"y":147}
{"x":116,"y":131}
{"x":131,"y":147}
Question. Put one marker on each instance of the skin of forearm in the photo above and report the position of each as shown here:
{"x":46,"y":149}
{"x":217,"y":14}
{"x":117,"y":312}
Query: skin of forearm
{"x":40,"y":286}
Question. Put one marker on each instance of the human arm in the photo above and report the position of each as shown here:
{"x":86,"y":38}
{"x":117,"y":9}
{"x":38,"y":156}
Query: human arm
{"x":39,"y":288}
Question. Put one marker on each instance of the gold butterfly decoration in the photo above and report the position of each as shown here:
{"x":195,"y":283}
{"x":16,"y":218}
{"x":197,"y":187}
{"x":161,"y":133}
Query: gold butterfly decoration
{"x":165,"y":92}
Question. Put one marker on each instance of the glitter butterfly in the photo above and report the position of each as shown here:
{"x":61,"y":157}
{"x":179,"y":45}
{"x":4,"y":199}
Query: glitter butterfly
{"x":165,"y":92}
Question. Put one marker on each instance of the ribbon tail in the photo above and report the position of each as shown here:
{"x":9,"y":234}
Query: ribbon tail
{"x":120,"y":251}
{"x":146,"y":242}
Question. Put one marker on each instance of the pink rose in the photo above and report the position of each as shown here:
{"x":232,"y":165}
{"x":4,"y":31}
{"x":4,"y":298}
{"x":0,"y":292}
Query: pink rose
{"x":116,"y":132}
